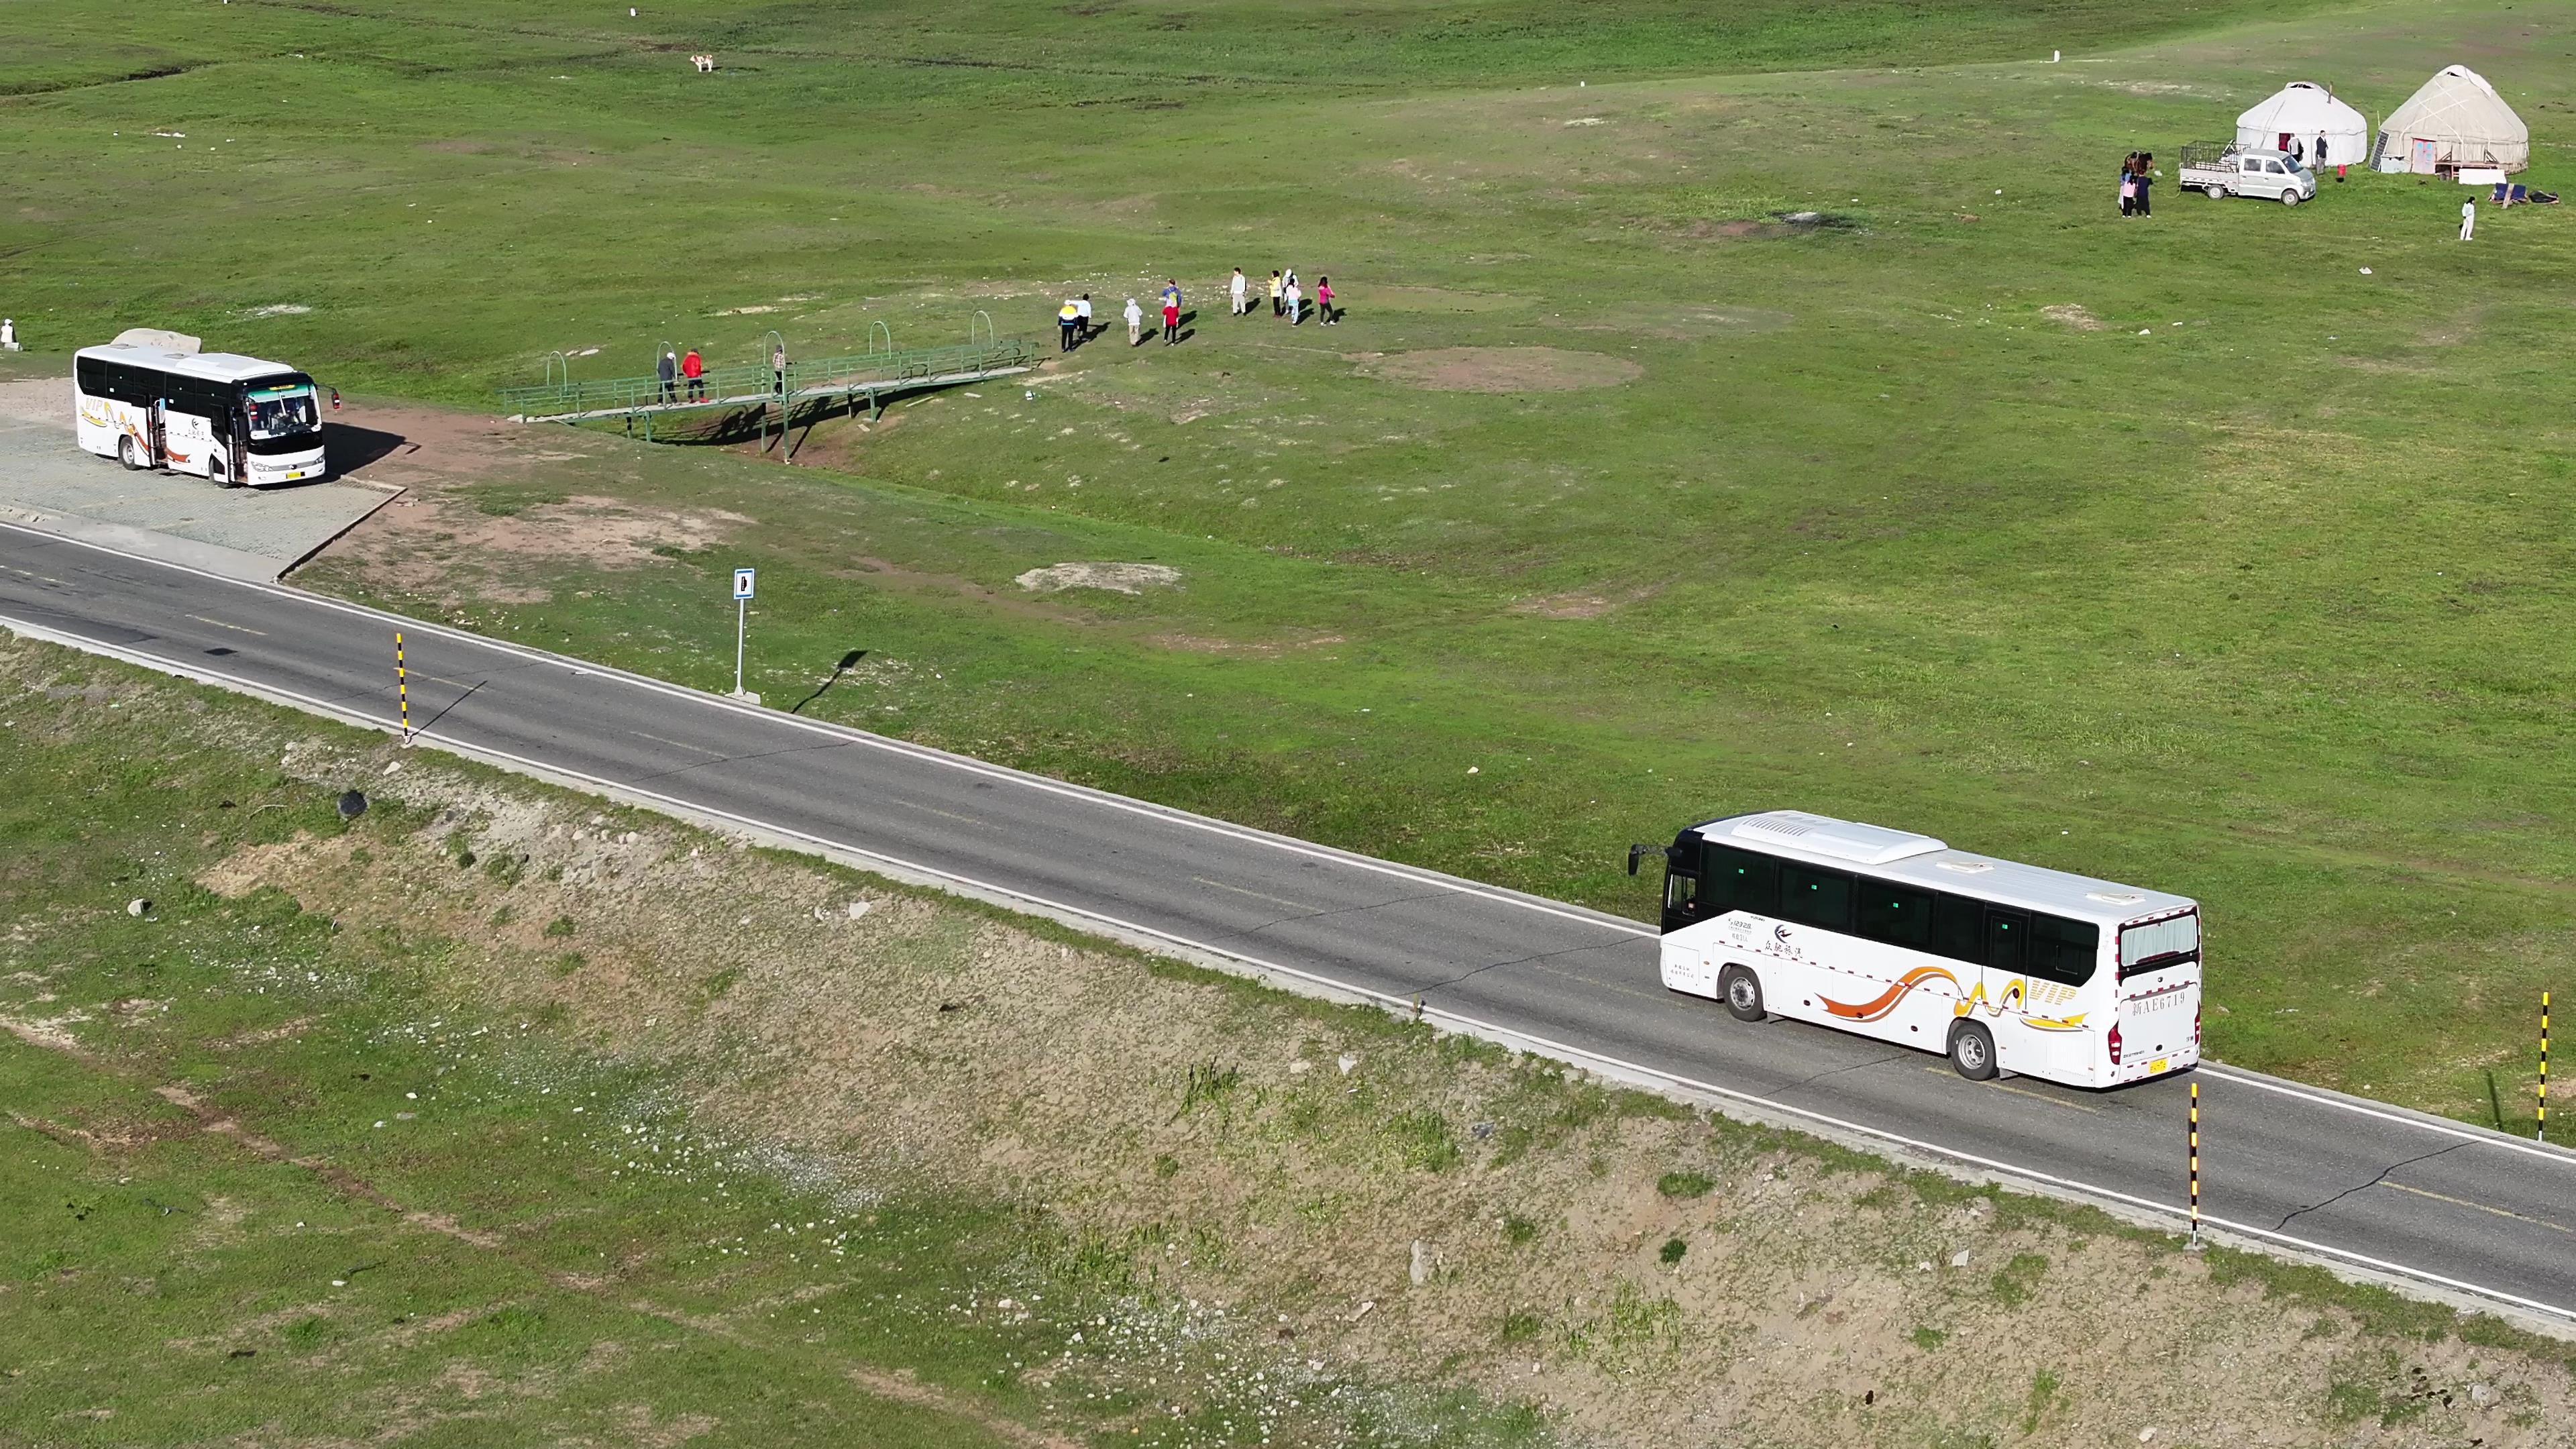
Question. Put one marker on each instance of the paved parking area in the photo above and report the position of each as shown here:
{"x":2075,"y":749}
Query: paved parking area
{"x":254,"y":533}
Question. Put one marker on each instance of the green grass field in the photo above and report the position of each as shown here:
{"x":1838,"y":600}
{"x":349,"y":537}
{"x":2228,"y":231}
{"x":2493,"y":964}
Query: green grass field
{"x":2254,"y":590}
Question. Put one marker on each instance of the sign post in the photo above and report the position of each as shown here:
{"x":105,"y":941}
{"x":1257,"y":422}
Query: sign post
{"x":402,"y":688}
{"x":2195,"y":1166}
{"x":741,"y":615}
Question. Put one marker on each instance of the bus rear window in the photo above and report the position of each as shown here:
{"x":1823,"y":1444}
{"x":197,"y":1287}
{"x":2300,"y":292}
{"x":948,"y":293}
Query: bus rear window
{"x":2158,"y":944}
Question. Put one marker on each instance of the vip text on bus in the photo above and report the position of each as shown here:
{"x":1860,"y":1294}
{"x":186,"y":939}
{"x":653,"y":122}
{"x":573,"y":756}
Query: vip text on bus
{"x":236,"y":420}
{"x":2005,"y":967}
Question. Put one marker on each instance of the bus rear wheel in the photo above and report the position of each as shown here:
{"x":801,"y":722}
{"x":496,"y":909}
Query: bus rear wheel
{"x":128,"y":454}
{"x":1743,"y":992}
{"x":1972,"y":1051}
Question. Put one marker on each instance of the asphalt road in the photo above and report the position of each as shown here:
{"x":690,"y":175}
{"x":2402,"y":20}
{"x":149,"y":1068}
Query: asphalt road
{"x":2378,"y":1188}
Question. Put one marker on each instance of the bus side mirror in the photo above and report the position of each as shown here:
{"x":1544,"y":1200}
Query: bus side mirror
{"x":1639,"y":852}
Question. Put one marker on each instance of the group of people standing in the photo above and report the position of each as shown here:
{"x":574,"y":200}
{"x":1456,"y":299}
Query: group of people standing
{"x":2137,"y":174}
{"x":1287,"y":301}
{"x":1287,"y":297}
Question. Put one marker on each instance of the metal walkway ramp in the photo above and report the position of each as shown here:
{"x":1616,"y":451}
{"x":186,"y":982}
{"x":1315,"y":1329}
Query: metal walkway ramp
{"x":868,"y":377}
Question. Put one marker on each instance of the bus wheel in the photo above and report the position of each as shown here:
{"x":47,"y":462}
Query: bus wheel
{"x":1972,"y":1051}
{"x":126,"y":454}
{"x":1743,"y":992}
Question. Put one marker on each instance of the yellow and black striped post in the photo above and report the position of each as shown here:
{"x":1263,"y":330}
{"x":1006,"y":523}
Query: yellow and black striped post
{"x":2540,"y":1130}
{"x":402,"y":687}
{"x":2195,"y":1164}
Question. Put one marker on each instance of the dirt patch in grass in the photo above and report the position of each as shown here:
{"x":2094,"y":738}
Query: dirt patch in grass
{"x":2074,"y":315}
{"x":1580,"y":604}
{"x":1691,"y":321}
{"x":1116,"y":578}
{"x":484,"y":511}
{"x":1505,"y":369}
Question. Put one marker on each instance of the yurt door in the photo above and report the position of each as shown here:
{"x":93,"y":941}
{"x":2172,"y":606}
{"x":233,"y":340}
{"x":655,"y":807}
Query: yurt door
{"x":2284,"y":143}
{"x":2421,"y":158}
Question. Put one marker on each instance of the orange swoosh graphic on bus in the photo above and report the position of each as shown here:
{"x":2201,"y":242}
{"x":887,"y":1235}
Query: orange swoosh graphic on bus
{"x":1887,"y":1000}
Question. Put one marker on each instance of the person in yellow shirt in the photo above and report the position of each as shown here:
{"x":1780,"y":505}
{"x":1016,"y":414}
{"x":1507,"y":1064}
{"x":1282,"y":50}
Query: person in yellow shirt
{"x":1067,"y":317}
{"x":1278,"y":308}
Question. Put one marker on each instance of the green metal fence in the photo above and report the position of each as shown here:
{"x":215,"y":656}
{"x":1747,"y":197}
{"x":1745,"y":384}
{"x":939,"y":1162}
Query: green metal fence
{"x":753,"y":384}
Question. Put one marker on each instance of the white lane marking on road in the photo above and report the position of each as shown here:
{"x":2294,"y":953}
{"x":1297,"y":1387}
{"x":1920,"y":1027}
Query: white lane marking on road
{"x":2482,"y":1207}
{"x":2559,"y":1155}
{"x":220,"y":624}
{"x":1256,"y":895}
{"x":920,"y":753}
{"x":1561,"y":1050}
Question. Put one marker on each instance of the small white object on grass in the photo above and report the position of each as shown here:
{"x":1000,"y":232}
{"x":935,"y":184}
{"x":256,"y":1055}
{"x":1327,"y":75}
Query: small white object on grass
{"x":2146,"y":331}
{"x":1471,"y":769}
{"x":1347,"y":1062}
{"x":2365,"y":271}
{"x":859,"y":908}
{"x":2054,"y":56}
{"x":1959,"y":1259}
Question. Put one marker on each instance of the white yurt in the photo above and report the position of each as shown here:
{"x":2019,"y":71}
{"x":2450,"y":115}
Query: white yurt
{"x":2456,"y":122}
{"x":2297,"y":115}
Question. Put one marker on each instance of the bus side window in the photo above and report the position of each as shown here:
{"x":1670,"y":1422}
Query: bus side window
{"x":1739,"y":880}
{"x":2064,"y":951}
{"x":1958,"y":928}
{"x":1896,"y":915}
{"x":90,"y":376}
{"x":1812,"y":897}
{"x":2007,"y":939}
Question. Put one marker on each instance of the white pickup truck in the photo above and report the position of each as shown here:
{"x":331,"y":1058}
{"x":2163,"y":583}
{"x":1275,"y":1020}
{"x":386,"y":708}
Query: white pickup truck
{"x":2223,"y":169}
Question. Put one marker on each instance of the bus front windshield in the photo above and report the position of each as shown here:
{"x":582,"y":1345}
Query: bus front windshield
{"x":282,"y":412}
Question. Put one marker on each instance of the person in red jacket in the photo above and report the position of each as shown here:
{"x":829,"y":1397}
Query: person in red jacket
{"x":695,"y":370}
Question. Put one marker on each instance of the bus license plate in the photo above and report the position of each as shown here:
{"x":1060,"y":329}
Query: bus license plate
{"x":2157,"y":1066}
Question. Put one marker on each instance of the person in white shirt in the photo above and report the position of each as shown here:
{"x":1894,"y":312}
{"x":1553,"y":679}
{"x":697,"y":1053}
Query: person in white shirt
{"x":1083,"y":325}
{"x":1135,"y":324}
{"x":2468,"y":219}
{"x":8,"y":334}
{"x":1295,"y":297}
{"x":1239,"y":289}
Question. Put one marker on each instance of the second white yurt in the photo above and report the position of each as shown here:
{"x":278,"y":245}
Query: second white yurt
{"x":2457,"y":122}
{"x":2296,"y":116}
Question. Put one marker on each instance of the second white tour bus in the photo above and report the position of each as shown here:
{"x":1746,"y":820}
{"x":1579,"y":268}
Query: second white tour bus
{"x":152,"y":400}
{"x":2004,"y":967}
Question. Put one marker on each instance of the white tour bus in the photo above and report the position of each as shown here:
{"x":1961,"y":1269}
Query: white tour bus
{"x":2003,"y":966}
{"x":152,"y":400}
